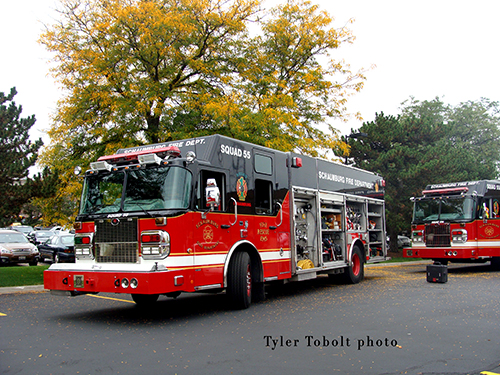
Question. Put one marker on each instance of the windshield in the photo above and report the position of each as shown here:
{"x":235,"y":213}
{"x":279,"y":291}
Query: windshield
{"x":145,"y":189}
{"x":443,"y":209}
{"x":12,"y":238}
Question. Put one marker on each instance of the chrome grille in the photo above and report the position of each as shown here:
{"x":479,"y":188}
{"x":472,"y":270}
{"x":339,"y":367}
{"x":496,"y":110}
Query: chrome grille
{"x":437,"y":235}
{"x":116,"y":242}
{"x":21,"y":251}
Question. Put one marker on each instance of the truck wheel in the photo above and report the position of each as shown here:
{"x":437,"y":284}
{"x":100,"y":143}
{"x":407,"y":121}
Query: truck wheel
{"x":145,"y":299}
{"x":495,"y":263}
{"x":239,"y":281}
{"x":258,"y":292}
{"x":356,"y":272}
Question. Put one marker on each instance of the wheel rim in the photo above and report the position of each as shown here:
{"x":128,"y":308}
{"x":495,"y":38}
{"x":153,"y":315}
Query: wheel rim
{"x":249,"y":281}
{"x":356,"y":264}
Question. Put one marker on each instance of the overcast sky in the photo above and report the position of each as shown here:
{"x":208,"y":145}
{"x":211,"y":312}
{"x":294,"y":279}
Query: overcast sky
{"x":445,"y":48}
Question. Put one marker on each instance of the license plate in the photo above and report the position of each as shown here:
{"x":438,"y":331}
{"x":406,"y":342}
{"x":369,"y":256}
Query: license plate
{"x":78,"y":281}
{"x":22,"y":258}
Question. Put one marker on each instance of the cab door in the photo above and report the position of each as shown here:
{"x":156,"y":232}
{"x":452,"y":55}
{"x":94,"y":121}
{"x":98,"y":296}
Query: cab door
{"x":210,"y":232}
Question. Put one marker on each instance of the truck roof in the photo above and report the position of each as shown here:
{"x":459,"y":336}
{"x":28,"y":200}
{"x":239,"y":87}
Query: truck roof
{"x":479,"y":187}
{"x":225,"y":152}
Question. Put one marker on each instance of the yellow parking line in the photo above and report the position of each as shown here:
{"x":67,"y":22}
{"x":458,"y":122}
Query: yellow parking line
{"x":489,"y":373}
{"x":91,"y":295}
{"x":113,"y":299}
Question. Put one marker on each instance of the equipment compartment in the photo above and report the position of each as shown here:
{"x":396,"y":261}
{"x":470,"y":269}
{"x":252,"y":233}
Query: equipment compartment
{"x":332,"y":228}
{"x":376,"y":229}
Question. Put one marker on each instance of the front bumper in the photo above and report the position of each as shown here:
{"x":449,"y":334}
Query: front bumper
{"x":448,"y":253}
{"x":15,"y":259}
{"x":94,"y":281}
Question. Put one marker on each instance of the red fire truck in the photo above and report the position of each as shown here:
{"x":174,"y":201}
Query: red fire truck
{"x":457,"y":222}
{"x":218,"y":214}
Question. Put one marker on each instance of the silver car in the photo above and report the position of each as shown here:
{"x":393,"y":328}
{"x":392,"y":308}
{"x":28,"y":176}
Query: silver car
{"x":15,"y":248}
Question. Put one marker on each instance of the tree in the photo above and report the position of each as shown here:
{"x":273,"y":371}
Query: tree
{"x":429,"y":142}
{"x":141,"y":72}
{"x":472,"y":131}
{"x":400,"y":150}
{"x":47,"y":205}
{"x":18,"y":155}
{"x":283,"y":89}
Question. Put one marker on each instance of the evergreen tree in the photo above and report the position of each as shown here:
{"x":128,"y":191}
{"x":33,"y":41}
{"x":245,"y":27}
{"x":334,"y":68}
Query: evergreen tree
{"x":18,"y":154}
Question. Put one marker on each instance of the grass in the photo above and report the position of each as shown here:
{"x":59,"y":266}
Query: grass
{"x":401,"y":259}
{"x":21,"y":275}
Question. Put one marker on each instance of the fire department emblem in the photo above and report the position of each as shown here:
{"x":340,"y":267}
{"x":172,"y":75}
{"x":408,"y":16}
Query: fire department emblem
{"x":489,"y":231}
{"x":241,"y":188}
{"x":208,"y":233}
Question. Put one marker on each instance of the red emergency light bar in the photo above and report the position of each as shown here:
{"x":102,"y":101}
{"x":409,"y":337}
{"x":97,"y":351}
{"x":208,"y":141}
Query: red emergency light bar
{"x":131,"y":156}
{"x":446,"y":191}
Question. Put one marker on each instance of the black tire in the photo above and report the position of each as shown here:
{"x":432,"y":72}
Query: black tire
{"x":239,"y":281}
{"x":495,"y":263}
{"x":258,"y":292}
{"x":34,"y":262}
{"x":356,"y":271}
{"x":173,"y":295}
{"x":145,"y":299}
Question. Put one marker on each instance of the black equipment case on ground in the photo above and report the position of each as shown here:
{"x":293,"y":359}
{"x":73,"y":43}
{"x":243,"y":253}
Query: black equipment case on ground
{"x":437,"y":273}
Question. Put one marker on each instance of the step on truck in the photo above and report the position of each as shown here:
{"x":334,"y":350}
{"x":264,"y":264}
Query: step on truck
{"x":457,"y":222}
{"x":218,"y":214}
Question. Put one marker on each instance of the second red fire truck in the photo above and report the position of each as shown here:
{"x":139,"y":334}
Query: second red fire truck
{"x":457,"y":222}
{"x":218,"y":214}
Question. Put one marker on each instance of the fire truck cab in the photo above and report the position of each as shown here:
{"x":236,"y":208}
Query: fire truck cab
{"x":218,"y":214}
{"x":457,"y":222}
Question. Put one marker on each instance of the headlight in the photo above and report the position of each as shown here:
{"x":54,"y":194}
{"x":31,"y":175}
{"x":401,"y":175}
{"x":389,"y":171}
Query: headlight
{"x":84,"y":245}
{"x":3,"y":250}
{"x":417,"y":236}
{"x":155,"y":244}
{"x":459,"y":235}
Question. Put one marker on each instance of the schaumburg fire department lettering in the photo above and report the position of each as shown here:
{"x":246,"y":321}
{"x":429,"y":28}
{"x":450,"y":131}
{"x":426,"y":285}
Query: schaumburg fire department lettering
{"x":203,"y":222}
{"x":345,"y":180}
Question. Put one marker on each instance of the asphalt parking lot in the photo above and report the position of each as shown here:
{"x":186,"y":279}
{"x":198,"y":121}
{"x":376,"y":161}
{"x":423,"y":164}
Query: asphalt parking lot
{"x":394,"y":322}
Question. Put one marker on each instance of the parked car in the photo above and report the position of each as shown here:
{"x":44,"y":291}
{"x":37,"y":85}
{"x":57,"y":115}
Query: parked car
{"x":403,"y":241}
{"x":59,"y":248}
{"x":24,"y":229}
{"x":15,"y":248}
{"x":40,"y":236}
